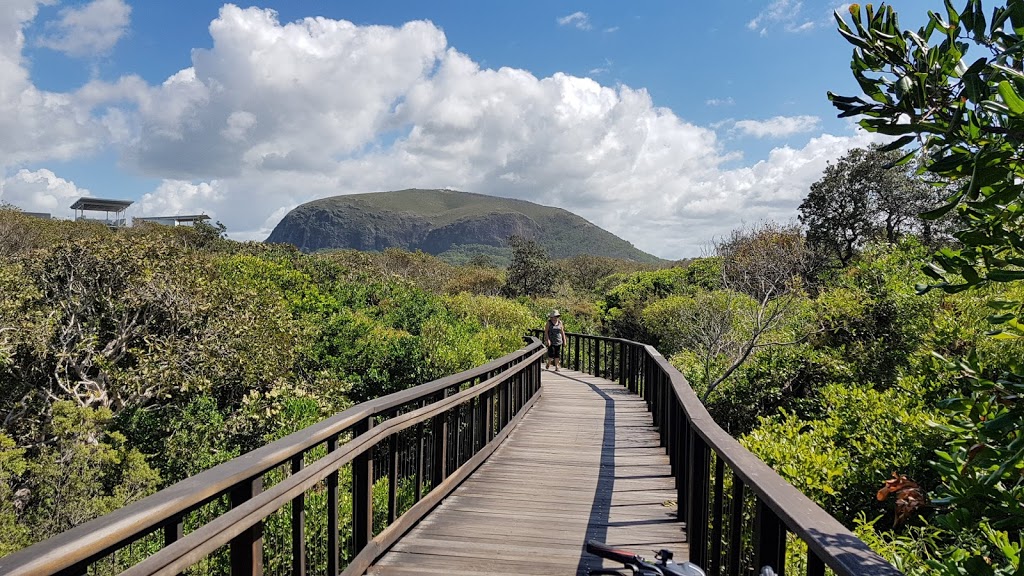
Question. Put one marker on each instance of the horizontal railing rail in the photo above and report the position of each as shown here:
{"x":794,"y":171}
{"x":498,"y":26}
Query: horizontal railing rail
{"x":313,"y":501}
{"x":737,"y":510}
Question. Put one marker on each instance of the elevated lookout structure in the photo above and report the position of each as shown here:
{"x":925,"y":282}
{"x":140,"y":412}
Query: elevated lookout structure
{"x":113,"y":210}
{"x":177,"y":220}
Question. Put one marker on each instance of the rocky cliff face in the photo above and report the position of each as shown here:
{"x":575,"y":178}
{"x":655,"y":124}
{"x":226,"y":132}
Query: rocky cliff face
{"x":487,"y":229}
{"x":324,"y":228}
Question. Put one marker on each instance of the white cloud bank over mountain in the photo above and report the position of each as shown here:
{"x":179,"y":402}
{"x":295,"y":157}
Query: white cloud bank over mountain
{"x":275,"y":114}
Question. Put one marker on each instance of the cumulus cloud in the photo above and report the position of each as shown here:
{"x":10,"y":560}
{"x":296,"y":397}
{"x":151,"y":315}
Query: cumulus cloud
{"x":786,"y":14}
{"x":578,"y":19}
{"x":779,"y":126}
{"x":36,"y":124}
{"x":289,"y":97}
{"x":276,"y":114}
{"x":174,"y":197}
{"x":40,"y":191}
{"x":89,"y":30}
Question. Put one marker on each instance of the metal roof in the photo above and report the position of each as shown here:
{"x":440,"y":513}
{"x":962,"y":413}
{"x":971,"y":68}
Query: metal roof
{"x":179,"y":218}
{"x":101,"y":204}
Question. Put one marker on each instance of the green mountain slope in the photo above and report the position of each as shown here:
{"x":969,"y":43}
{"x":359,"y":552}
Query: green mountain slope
{"x":446,"y":223}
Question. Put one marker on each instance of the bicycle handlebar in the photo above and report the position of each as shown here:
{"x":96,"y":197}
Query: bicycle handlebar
{"x":621,"y":556}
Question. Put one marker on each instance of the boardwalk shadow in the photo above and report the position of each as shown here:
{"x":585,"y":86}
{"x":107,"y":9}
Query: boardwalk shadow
{"x":600,"y":510}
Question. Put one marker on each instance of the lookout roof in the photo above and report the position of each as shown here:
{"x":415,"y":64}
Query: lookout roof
{"x":176,"y":218}
{"x":101,"y":204}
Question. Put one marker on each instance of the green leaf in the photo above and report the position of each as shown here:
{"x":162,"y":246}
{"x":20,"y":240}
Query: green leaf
{"x":1005,"y":275}
{"x":1010,"y":97}
{"x":979,"y":21}
{"x":855,"y":40}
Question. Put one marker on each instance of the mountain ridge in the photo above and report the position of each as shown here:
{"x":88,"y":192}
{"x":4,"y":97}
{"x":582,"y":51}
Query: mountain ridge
{"x":443,"y":222}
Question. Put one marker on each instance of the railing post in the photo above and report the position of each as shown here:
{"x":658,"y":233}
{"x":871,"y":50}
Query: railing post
{"x":684,"y":467}
{"x":697,"y":505}
{"x":174,"y":531}
{"x":439,"y":428}
{"x":735,"y":526}
{"x":420,"y":446}
{"x":593,"y":356}
{"x":362,"y":491}
{"x":622,"y":365}
{"x":815,"y":567}
{"x":480,"y":440}
{"x":648,"y":387}
{"x":298,"y":524}
{"x":716,"y":517}
{"x":667,"y":404}
{"x":393,"y":455}
{"x":489,"y":415}
{"x":332,"y":513}
{"x":247,"y":547}
{"x":769,"y":540}
{"x":673,"y":437}
{"x":472,"y":410}
{"x":633,"y":377}
{"x":503,"y":397}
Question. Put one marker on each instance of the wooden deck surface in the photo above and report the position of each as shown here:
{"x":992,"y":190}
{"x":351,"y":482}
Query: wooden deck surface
{"x":583,"y":464}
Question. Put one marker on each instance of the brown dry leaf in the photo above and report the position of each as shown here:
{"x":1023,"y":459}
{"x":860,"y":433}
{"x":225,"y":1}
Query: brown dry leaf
{"x":909,"y":496}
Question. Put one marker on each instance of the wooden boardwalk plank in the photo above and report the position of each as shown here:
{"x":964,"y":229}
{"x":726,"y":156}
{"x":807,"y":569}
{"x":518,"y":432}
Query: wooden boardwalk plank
{"x":583,"y":464}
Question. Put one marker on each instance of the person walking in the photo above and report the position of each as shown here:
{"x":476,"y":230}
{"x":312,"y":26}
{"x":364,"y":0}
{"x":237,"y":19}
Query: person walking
{"x":554,"y":337}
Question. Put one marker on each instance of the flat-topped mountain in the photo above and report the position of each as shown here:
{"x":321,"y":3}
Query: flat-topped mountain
{"x":445,"y":223}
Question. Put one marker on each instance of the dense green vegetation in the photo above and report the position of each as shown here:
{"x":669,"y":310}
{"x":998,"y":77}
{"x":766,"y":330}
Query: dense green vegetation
{"x":455,"y":225}
{"x":132,"y":359}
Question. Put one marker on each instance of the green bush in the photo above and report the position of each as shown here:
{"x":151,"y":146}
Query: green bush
{"x":861,"y":436}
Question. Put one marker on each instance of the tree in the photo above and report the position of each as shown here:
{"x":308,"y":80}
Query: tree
{"x":583,"y":271}
{"x":966,"y":116}
{"x":861,"y":197}
{"x":761,"y":269}
{"x":531,"y":272}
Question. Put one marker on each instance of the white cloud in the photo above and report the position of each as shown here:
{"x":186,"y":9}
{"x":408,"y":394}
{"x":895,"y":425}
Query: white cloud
{"x":578,"y":19}
{"x":174,"y":197}
{"x":778,"y":126}
{"x":40,"y":191}
{"x":787,"y":14}
{"x":276,"y":114}
{"x":727,"y":101}
{"x":289,"y":97}
{"x":36,"y":124}
{"x":89,"y":30}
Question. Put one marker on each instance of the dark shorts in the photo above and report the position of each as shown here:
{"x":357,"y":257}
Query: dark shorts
{"x":555,"y":351}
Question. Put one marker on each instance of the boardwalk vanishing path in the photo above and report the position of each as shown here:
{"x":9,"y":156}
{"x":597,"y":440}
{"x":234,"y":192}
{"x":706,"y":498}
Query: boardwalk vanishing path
{"x":583,"y":464}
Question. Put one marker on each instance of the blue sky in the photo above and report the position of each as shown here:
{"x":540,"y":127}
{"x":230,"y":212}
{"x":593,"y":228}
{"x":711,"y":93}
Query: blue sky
{"x":667,"y":122}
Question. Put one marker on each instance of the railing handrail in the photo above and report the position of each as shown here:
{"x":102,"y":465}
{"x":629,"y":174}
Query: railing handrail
{"x":99,"y":535}
{"x":691,"y":435}
{"x":177,"y":557}
{"x":802,"y":516}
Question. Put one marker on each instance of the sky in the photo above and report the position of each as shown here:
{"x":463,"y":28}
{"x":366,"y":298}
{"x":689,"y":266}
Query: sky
{"x":666,"y":122}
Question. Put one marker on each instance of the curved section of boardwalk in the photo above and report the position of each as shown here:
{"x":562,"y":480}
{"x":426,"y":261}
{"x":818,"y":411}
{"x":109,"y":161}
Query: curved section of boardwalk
{"x":583,"y":464}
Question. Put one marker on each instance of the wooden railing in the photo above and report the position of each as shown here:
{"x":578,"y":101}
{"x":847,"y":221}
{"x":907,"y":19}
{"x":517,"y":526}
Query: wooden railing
{"x":328,"y":499}
{"x":738,"y":511}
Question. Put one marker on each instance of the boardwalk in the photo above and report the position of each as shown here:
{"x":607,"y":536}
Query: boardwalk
{"x":583,"y":464}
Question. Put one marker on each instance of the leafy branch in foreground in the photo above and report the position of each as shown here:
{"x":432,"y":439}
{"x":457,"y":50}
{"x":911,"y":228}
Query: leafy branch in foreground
{"x":954,"y":88}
